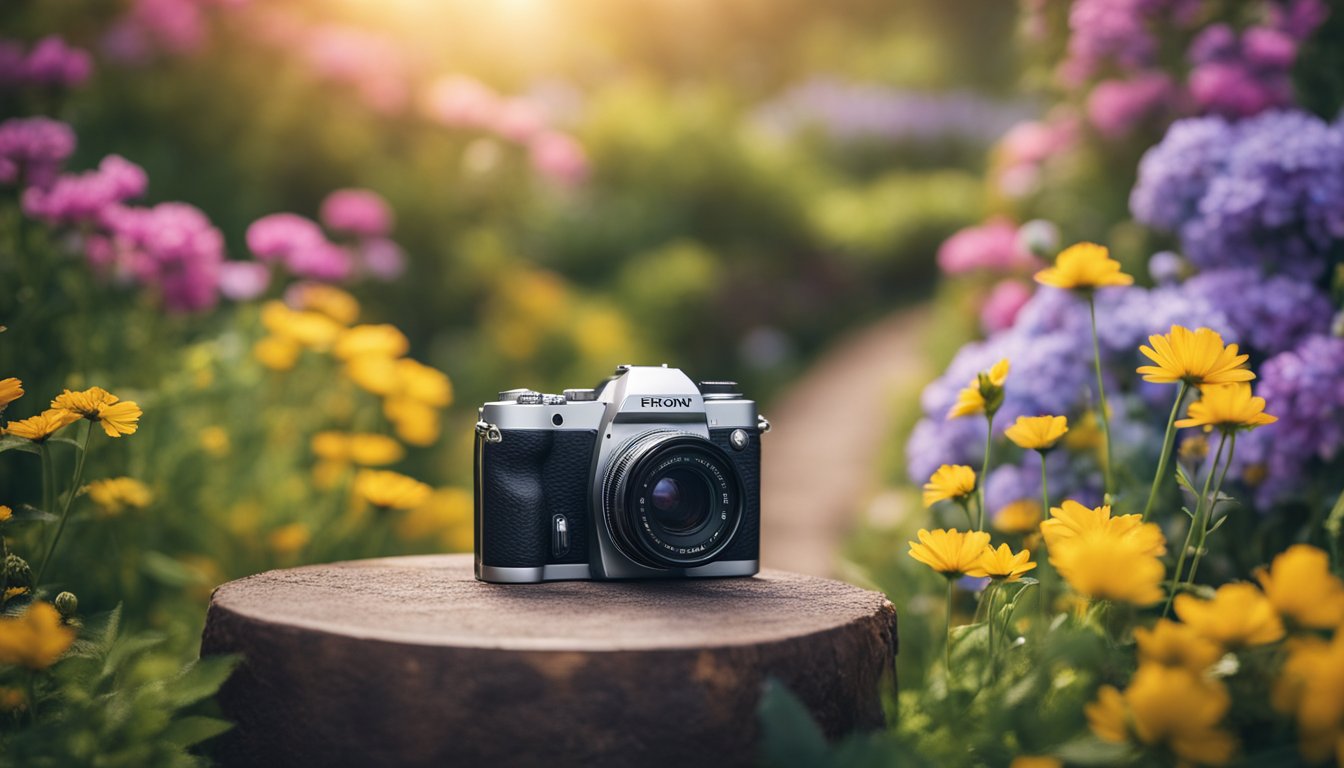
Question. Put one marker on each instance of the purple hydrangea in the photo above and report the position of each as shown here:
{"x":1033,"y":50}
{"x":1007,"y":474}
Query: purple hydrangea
{"x":1266,"y":314}
{"x":1268,"y":191}
{"x":1241,"y":76}
{"x":1304,"y":388}
{"x":81,"y":198}
{"x":32,"y":150}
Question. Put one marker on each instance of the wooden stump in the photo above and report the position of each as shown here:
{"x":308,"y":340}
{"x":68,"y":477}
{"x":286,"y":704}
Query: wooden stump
{"x":411,"y":661}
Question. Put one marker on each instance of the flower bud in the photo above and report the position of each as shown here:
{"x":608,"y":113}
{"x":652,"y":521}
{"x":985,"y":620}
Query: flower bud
{"x":1039,"y":237}
{"x":17,"y":572}
{"x":1193,"y":449}
{"x":66,"y":604}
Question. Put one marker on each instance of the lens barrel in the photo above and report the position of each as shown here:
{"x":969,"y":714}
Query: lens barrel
{"x":671,"y":499}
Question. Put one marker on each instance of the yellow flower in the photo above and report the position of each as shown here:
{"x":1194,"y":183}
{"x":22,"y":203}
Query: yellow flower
{"x":276,"y":353}
{"x":119,"y":419}
{"x":1301,"y":587}
{"x":289,"y":539}
{"x":424,"y":384}
{"x":214,"y":441}
{"x":1227,"y":406}
{"x":35,"y":639}
{"x":985,"y":387}
{"x":373,"y":373}
{"x":1084,"y":266}
{"x":1112,"y":558}
{"x":1021,"y":516}
{"x":1310,"y":688}
{"x":12,"y":593}
{"x":1194,"y":449}
{"x":1002,"y":564}
{"x":118,"y":494}
{"x":11,"y":389}
{"x":1037,"y":433}
{"x":309,"y":329}
{"x":950,"y":481}
{"x":13,"y":700}
{"x":84,"y":403}
{"x":1073,"y":519}
{"x":390,"y":490}
{"x":949,"y":552}
{"x":45,"y":424}
{"x":326,"y":299}
{"x":371,"y":340}
{"x":1168,"y":707}
{"x":1036,"y":761}
{"x":1195,"y":357}
{"x":328,"y":474}
{"x":373,"y":450}
{"x":1174,"y":644}
{"x":1238,"y":615}
{"x":414,"y":422}
{"x":445,"y":515}
{"x":5,"y":513}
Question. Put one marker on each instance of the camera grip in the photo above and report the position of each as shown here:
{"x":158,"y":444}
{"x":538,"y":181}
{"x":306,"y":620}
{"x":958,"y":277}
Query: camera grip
{"x":522,"y":482}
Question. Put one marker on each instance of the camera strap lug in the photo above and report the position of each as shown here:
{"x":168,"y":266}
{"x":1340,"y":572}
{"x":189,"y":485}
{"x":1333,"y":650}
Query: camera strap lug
{"x":489,"y":432}
{"x":762,"y":423}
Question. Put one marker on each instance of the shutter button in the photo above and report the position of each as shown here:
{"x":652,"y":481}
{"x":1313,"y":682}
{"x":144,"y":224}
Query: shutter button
{"x":559,"y":536}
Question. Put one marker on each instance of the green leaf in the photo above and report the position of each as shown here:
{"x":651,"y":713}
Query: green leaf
{"x":1089,"y":750}
{"x":29,"y":513}
{"x":67,"y":441}
{"x":1183,"y":479}
{"x":200,"y":679}
{"x":16,"y":443}
{"x":790,"y":737}
{"x":1218,"y":524}
{"x":168,"y":570}
{"x":192,"y":730}
{"x":1188,"y":513}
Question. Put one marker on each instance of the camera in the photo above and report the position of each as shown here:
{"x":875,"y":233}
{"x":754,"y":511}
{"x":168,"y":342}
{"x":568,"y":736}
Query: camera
{"x":648,"y":475}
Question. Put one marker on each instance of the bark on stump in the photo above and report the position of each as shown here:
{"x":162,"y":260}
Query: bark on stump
{"x":411,"y":661}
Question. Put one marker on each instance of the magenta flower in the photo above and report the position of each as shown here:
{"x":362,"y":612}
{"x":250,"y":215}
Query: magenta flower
{"x":382,"y":258}
{"x":324,"y":261}
{"x":174,"y":248}
{"x":457,"y":101}
{"x":359,"y":212}
{"x":53,"y":62}
{"x":82,"y":198}
{"x":1116,"y":107}
{"x":518,"y":120}
{"x":243,"y":280}
{"x":993,"y":245}
{"x":558,"y":158}
{"x":1005,"y":300}
{"x":32,"y":149}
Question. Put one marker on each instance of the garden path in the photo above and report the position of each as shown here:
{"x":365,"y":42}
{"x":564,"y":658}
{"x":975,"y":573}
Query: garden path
{"x":819,"y":463}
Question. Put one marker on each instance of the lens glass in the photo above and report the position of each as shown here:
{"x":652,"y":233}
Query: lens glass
{"x":680,"y":501}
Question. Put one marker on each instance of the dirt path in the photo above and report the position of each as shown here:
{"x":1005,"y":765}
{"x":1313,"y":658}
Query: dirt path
{"x":818,"y":468}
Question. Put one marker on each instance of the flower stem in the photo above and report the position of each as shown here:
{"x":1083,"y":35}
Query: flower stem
{"x":69,"y":500}
{"x":990,"y":594}
{"x":1101,"y":397}
{"x":1197,"y":523}
{"x":1213,"y":504}
{"x":1166,"y":450}
{"x":984,"y":467}
{"x":965,"y":503}
{"x":1043,"y":578}
{"x":947,"y":633}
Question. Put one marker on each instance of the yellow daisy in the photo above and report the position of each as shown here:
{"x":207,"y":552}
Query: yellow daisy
{"x":1084,"y":266}
{"x":43,"y":425}
{"x":1310,"y":688}
{"x":327,"y":299}
{"x":1113,"y":561}
{"x":987,"y":387}
{"x":1167,"y":707}
{"x":1238,"y":615}
{"x":390,"y":490}
{"x":84,"y":403}
{"x":1037,"y":433}
{"x":376,"y":340}
{"x":1073,"y":519}
{"x":36,"y":639}
{"x":1228,"y":407}
{"x":1301,"y":587}
{"x":11,"y":389}
{"x":118,"y":419}
{"x":950,"y":481}
{"x":1174,"y":644}
{"x":949,"y":552}
{"x":1002,"y":564}
{"x":117,"y":494}
{"x":1194,"y":357}
{"x":1021,"y":516}
{"x":289,"y":539}
{"x":276,"y":352}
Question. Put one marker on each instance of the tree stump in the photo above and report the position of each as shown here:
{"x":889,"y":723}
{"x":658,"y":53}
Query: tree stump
{"x":411,"y":661}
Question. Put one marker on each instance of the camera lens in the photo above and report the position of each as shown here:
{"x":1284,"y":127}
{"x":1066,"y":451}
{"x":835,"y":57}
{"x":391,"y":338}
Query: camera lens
{"x":671,"y":499}
{"x":681,"y":501}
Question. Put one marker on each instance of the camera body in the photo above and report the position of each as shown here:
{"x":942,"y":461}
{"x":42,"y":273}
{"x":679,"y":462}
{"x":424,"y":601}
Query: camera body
{"x":648,"y":475}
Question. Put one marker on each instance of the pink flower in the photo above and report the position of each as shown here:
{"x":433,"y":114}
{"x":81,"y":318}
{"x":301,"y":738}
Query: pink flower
{"x":1232,"y":90}
{"x":172,"y":247}
{"x":324,"y":261}
{"x":359,"y":212}
{"x":993,"y":246}
{"x":82,"y":198}
{"x":243,"y":280}
{"x":1005,"y":300}
{"x":518,"y":120}
{"x":34,"y":147}
{"x":1116,"y":107}
{"x":382,"y":258}
{"x":277,"y":236}
{"x":559,"y":158}
{"x":460,"y":102}
{"x":1027,"y":146}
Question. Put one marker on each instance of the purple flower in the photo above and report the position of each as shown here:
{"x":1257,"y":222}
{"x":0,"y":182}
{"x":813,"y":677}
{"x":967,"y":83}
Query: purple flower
{"x":359,"y":212}
{"x":1298,"y":18}
{"x":174,"y":248}
{"x":1166,"y":268}
{"x":1268,"y":315}
{"x":1116,"y":107}
{"x":381,"y":258}
{"x":82,"y":198}
{"x":53,"y":62}
{"x":993,"y":245}
{"x":32,"y":149}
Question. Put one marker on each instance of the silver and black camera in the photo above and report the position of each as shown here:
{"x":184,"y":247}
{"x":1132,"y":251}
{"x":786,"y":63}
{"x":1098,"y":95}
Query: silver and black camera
{"x":649,"y":475}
